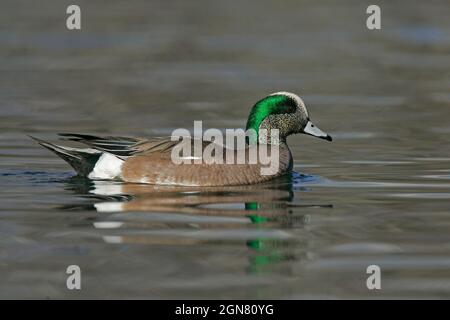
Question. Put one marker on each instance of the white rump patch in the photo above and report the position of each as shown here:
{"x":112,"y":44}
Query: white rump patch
{"x":108,"y":166}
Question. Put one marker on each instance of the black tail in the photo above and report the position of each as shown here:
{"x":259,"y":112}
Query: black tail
{"x":82,"y":160}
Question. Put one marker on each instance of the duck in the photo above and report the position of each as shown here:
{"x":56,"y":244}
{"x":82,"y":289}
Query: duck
{"x":151,"y":161}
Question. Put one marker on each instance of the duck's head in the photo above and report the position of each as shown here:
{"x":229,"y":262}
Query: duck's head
{"x":284,"y":111}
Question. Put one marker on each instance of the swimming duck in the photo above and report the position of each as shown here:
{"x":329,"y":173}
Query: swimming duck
{"x":142,"y":160}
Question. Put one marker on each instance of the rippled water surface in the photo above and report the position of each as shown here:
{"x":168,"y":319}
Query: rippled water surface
{"x":379,"y":194}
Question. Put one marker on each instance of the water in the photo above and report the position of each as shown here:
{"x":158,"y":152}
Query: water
{"x":379,"y":194}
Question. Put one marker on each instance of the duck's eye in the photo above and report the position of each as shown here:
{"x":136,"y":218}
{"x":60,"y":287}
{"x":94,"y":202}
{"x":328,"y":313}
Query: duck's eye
{"x":312,"y":125}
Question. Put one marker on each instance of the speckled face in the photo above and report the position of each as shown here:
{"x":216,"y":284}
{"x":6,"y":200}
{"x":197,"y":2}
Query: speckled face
{"x":284,"y":111}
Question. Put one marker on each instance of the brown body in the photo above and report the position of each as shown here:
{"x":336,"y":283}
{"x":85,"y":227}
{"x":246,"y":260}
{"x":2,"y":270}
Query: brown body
{"x":158,"y":168}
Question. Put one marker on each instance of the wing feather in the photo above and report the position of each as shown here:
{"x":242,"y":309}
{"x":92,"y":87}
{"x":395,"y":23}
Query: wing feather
{"x":123,"y":146}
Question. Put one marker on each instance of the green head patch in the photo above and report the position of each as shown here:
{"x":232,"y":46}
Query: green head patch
{"x":274,"y":104}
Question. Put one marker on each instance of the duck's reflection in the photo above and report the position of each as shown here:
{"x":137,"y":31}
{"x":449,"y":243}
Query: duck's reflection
{"x":259,"y":216}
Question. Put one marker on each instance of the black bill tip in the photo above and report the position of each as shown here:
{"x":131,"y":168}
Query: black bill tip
{"x":328,"y":138}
